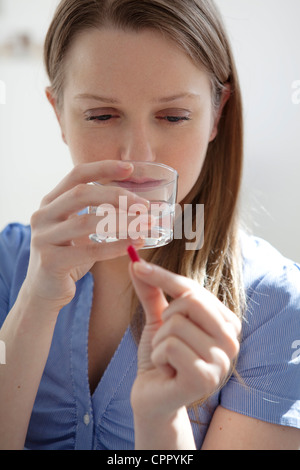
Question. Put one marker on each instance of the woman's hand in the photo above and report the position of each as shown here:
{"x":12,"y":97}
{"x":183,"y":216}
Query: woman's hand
{"x":61,"y":251}
{"x":186,"y":347}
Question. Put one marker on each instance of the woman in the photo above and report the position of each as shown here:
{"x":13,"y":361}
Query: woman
{"x":146,"y":81}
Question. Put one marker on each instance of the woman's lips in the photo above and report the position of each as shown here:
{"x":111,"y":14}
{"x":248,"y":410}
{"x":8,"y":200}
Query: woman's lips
{"x":139,"y":184}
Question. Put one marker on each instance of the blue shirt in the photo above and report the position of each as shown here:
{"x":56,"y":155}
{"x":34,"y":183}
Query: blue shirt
{"x":66,"y":416}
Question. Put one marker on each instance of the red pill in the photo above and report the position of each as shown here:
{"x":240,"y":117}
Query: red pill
{"x":133,"y":254}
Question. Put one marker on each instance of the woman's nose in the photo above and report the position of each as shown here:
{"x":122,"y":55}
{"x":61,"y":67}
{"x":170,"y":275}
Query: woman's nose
{"x":137,"y":146}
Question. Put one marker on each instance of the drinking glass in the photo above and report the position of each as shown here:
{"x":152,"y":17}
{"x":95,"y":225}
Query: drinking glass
{"x":155,"y":182}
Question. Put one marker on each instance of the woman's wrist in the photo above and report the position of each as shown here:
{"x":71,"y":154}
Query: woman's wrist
{"x":163,"y":432}
{"x":33,"y":305}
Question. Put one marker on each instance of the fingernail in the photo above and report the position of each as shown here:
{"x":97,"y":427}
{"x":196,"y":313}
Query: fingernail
{"x":142,"y":268}
{"x":125,"y":165}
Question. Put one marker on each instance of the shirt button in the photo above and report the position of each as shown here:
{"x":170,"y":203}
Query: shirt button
{"x":86,"y":419}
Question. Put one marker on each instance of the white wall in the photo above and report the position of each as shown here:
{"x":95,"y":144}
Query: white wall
{"x":33,"y":157}
{"x":265,"y":36}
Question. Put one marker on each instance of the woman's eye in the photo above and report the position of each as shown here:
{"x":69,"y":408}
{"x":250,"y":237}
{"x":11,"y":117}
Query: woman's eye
{"x":102,"y":117}
{"x":177,"y":118}
{"x":174,"y":119}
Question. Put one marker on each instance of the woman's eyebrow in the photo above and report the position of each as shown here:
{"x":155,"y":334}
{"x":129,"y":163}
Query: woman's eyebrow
{"x":103,"y":99}
{"x":165,"y":99}
{"x":178,"y":96}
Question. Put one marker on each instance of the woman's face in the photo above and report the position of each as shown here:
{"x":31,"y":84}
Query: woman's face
{"x":136,"y":96}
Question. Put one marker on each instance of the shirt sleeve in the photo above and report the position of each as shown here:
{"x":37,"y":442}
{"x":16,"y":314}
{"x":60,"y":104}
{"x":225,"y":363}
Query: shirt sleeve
{"x":14,"y":255}
{"x":267,"y":383}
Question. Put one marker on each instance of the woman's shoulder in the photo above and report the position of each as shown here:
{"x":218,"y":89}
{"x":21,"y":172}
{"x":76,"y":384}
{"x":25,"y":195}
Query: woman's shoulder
{"x":14,"y":236}
{"x":272,"y":284}
{"x":15,"y":231}
{"x":14,"y":248}
{"x":264,"y":264}
{"x":268,"y":363}
{"x":14,"y":258}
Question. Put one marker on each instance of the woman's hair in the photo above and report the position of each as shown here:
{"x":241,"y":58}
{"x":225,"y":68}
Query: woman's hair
{"x":196,"y":26}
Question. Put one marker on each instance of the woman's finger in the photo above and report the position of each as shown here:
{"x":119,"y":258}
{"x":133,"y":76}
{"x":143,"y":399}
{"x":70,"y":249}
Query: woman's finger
{"x":196,"y":338}
{"x":69,"y":257}
{"x":80,"y":197}
{"x":193,"y":377}
{"x":82,"y":226}
{"x":155,"y":276}
{"x":186,"y":331}
{"x":151,"y":297}
{"x":181,"y":287}
{"x":66,"y":232}
{"x":204,"y":313}
{"x":102,"y":171}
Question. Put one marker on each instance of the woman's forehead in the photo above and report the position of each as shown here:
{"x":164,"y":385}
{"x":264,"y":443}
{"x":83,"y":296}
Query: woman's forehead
{"x":109,"y":58}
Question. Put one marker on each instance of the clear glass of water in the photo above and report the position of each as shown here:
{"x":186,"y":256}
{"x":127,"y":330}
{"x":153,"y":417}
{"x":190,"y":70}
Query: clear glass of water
{"x":154,"y":182}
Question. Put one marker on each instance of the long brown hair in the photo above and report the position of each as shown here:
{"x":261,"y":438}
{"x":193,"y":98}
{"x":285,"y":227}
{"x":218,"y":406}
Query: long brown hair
{"x":196,"y":26}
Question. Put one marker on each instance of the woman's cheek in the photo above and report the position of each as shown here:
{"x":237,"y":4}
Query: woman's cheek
{"x":189,"y":173}
{"x":87,"y":149}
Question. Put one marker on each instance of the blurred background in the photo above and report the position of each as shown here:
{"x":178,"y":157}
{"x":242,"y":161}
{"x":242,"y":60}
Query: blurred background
{"x":265,"y":37}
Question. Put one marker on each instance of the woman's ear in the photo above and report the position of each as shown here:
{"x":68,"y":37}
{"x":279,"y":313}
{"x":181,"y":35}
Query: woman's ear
{"x":224,"y":98}
{"x":53,"y":101}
